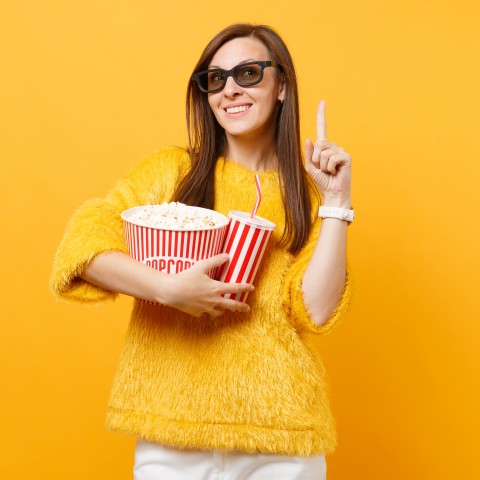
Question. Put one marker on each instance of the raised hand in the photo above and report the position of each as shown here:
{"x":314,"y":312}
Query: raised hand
{"x":328,"y":165}
{"x":193,"y":291}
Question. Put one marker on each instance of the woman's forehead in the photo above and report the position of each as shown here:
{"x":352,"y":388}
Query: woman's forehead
{"x":239,"y":50}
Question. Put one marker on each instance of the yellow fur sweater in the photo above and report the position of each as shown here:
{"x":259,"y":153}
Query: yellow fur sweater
{"x":242,"y":381}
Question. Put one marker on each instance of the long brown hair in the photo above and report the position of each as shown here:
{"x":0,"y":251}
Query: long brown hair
{"x":207,"y":139}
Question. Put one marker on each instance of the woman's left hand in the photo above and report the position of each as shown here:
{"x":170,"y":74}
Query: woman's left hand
{"x":328,"y":165}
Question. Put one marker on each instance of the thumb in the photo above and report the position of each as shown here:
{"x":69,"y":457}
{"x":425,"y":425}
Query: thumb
{"x":308,"y":154}
{"x":207,"y":264}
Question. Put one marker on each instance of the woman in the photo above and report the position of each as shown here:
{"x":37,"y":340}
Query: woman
{"x":211,"y":385}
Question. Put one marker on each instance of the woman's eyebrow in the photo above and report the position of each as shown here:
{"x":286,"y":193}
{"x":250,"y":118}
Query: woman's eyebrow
{"x":241,"y":63}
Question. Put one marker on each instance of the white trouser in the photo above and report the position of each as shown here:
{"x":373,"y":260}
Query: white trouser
{"x":155,"y":462}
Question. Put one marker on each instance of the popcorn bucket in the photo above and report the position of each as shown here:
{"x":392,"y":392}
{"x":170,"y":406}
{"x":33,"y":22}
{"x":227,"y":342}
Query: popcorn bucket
{"x":172,"y":250}
{"x":246,"y":241}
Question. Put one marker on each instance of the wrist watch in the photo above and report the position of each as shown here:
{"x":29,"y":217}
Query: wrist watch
{"x":345,"y":214}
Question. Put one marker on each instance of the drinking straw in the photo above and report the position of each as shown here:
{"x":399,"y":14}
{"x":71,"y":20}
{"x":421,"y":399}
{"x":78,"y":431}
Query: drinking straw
{"x":259,"y":196}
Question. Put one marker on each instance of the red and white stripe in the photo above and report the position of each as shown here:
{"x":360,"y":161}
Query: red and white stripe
{"x":245,"y":245}
{"x":147,"y":244}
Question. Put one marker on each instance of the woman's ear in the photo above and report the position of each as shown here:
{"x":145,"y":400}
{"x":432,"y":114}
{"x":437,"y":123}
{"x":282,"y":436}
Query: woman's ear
{"x":283,"y":87}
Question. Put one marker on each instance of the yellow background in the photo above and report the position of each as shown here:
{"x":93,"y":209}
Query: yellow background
{"x":89,"y":88}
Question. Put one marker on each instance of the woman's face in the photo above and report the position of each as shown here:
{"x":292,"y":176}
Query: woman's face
{"x":246,"y":111}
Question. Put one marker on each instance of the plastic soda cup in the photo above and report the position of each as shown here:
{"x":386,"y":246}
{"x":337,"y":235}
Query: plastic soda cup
{"x":245,"y":244}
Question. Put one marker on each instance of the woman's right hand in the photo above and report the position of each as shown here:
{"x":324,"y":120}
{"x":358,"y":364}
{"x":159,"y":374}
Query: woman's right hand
{"x":192,"y":291}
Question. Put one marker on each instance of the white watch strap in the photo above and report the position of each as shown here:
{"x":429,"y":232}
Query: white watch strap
{"x":334,"y":212}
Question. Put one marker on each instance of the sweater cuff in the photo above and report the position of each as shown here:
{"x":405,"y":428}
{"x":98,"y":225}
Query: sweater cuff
{"x":298,"y":310}
{"x":70,"y":287}
{"x":93,"y":230}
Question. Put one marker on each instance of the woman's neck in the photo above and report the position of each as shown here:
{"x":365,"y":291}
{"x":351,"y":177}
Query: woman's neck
{"x":252,"y":153}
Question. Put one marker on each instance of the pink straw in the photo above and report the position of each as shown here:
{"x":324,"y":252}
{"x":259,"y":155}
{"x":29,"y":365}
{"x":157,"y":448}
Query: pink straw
{"x":259,"y":196}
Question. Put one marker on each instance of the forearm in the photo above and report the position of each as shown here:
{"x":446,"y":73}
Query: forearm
{"x":120,"y":273}
{"x":324,"y":277}
{"x":192,"y":291}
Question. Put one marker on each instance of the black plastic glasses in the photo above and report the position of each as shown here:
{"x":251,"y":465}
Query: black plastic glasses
{"x":245,"y":75}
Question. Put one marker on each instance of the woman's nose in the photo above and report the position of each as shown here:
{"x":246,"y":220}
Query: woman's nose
{"x":231,"y":87}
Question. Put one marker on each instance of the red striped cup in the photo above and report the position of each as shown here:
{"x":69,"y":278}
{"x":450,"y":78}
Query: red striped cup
{"x":173,"y":250}
{"x":246,"y":241}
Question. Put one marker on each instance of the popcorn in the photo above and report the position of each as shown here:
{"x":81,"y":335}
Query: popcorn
{"x":174,"y":215}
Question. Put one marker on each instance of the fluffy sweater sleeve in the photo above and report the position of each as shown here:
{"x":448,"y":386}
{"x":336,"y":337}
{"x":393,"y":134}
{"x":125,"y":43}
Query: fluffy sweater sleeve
{"x":292,"y":292}
{"x":96,"y":227}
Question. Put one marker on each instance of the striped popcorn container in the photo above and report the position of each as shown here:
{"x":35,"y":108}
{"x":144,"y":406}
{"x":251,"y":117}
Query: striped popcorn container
{"x":246,"y":241}
{"x":174,"y":249}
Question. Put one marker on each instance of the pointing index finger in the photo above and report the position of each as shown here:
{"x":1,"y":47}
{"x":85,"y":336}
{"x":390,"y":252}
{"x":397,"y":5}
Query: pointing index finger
{"x":321,"y":123}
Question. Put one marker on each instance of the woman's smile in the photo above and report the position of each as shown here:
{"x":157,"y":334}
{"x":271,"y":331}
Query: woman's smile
{"x":237,"y":110}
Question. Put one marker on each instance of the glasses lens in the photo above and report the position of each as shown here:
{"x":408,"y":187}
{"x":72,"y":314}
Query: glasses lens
{"x":248,"y":74}
{"x":212,"y":79}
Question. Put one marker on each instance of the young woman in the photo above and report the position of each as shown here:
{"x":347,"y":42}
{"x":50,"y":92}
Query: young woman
{"x":213,"y":387}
